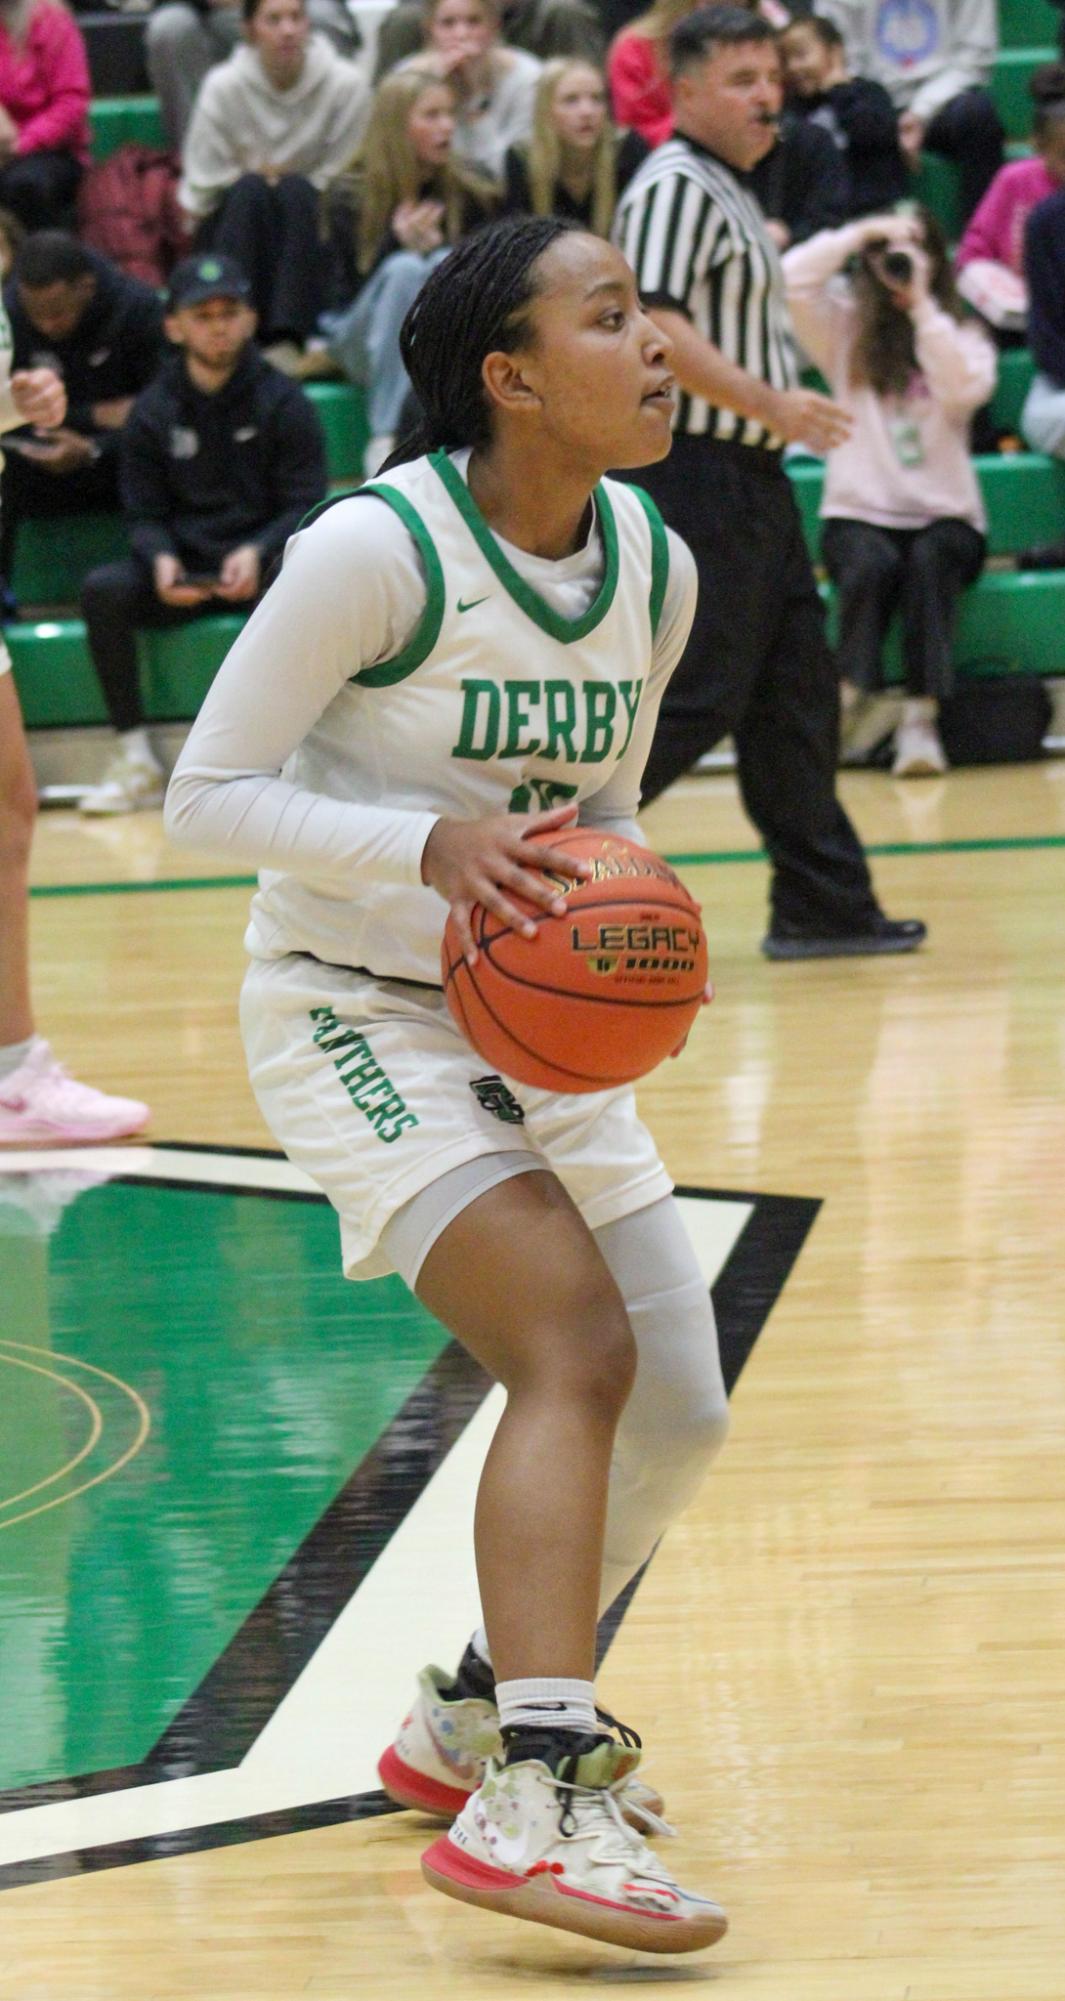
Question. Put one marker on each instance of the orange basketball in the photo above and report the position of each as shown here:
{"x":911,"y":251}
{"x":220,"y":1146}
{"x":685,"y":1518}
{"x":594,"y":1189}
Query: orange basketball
{"x":600,"y":995}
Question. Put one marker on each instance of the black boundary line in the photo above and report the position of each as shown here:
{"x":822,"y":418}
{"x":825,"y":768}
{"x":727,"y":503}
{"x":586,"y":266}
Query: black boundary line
{"x":320,"y":1578}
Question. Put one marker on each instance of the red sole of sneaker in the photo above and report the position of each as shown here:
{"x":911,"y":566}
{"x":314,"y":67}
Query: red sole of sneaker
{"x":410,"y":1788}
{"x":540,"y":1900}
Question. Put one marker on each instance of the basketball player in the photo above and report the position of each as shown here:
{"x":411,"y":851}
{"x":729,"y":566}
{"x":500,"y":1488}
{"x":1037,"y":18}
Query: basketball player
{"x":480,"y":634}
{"x":40,"y":1104}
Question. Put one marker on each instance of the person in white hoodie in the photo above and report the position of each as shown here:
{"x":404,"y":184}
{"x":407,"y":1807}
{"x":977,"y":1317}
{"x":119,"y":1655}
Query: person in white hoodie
{"x":271,"y":127}
{"x":934,"y":59}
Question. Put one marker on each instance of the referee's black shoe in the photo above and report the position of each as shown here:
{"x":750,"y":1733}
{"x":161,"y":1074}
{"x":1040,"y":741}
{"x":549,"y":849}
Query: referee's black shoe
{"x":879,"y":934}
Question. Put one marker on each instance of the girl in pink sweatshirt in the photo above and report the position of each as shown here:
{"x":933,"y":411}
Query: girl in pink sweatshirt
{"x":44,"y":111}
{"x":904,"y":519}
{"x":991,"y":252}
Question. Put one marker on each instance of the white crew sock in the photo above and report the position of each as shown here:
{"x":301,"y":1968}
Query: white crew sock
{"x":543,"y":1704}
{"x":14,"y":1055}
{"x":920,"y":709}
{"x":135,"y":744}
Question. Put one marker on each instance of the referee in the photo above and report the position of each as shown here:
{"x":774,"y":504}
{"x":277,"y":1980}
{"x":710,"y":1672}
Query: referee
{"x":757,"y":666}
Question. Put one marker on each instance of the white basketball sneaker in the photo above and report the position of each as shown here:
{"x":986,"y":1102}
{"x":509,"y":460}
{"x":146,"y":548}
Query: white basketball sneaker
{"x":41,"y":1104}
{"x":132,"y":783}
{"x":442,"y":1750}
{"x":440,"y":1754}
{"x":554,"y":1847}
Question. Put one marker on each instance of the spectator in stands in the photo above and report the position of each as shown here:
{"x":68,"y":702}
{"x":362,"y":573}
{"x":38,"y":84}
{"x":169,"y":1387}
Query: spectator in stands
{"x":575,"y":164}
{"x":270,"y":129}
{"x":390,"y":219}
{"x":544,"y":28}
{"x":857,"y":113}
{"x":638,"y":70}
{"x":40,"y":1104}
{"x":552,"y":28}
{"x":494,"y":84}
{"x":991,"y":253}
{"x":186,"y":38}
{"x":934,"y":58}
{"x":102,"y":332}
{"x":44,"y":111}
{"x":221,"y":459}
{"x":1043,"y":416}
{"x":904,"y":519}
{"x":802,"y":184}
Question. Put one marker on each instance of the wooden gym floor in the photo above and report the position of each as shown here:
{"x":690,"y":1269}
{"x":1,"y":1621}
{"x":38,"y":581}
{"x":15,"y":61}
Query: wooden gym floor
{"x":847,"y":1661}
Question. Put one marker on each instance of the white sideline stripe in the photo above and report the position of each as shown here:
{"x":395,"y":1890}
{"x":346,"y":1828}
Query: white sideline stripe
{"x":417,"y":1603}
{"x":232,"y":1170}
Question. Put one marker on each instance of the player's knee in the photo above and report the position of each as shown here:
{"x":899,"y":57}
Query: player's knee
{"x":590,"y":1354}
{"x":677,"y":1418}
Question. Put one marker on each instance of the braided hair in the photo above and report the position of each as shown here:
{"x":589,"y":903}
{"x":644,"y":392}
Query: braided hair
{"x":474,"y":302}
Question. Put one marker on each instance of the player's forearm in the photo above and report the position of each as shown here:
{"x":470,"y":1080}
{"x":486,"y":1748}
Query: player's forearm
{"x":702,"y":370}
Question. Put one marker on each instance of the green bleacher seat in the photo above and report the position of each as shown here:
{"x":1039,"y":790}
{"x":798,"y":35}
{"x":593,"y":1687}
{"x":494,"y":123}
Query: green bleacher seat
{"x":1024,"y":494}
{"x":1007,"y":624}
{"x":58,"y":688}
{"x":342,"y":410}
{"x":1009,"y":85}
{"x":1015,"y":371}
{"x":114,"y":120}
{"x":52,"y":557}
{"x":937,"y":184}
{"x":1027,"y":23}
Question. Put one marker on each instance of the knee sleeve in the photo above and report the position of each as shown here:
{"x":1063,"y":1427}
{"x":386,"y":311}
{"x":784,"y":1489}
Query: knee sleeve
{"x":676,"y":1419}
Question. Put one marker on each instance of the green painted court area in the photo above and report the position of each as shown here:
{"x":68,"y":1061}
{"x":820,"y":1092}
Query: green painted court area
{"x":186,"y":1382}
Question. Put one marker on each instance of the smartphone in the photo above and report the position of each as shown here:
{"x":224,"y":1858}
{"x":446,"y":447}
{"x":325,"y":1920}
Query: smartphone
{"x":199,"y":579}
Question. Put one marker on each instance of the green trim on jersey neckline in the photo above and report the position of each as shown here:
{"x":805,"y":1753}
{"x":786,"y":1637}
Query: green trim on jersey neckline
{"x":659,"y":556}
{"x":565,"y":630}
{"x":427,"y":631}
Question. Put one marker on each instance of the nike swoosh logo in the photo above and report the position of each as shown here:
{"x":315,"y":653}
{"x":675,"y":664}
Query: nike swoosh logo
{"x":473,"y":603}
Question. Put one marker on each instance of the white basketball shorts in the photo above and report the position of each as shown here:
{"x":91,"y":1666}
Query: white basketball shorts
{"x":370,"y":1088}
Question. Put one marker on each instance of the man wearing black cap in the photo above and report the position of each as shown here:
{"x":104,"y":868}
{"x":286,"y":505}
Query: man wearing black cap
{"x":221,"y":459}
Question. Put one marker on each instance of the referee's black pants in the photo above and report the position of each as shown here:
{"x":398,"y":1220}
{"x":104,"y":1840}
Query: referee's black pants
{"x":757,"y":668}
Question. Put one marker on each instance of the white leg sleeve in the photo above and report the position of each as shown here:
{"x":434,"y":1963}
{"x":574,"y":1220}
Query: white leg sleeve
{"x":676,"y":1419}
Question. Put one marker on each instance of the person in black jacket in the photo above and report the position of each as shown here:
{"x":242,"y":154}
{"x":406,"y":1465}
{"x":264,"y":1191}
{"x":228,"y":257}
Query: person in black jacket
{"x":802,"y":185}
{"x":1043,"y":415}
{"x":222,"y":457}
{"x":857,"y":114}
{"x":75,"y":312}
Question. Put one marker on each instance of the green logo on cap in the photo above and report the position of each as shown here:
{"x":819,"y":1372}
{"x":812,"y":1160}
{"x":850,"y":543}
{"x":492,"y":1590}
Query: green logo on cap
{"x":209,"y":269}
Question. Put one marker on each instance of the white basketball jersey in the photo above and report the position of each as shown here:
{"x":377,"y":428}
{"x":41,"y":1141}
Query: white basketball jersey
{"x":496,"y":703}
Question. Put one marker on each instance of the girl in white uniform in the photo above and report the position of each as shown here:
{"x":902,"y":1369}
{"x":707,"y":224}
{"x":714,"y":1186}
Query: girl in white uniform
{"x":479,"y":635}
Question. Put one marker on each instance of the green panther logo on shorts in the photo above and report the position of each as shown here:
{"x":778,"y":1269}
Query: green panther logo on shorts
{"x":492,"y":1093}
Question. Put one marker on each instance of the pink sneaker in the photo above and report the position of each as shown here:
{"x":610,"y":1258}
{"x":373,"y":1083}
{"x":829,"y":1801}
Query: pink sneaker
{"x":41,"y":1105}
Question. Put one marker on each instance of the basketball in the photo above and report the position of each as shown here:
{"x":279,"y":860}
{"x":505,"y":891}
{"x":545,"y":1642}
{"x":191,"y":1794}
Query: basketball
{"x":600,"y":995}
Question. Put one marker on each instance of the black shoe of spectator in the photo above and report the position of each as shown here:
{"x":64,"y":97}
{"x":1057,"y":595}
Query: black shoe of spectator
{"x":1045,"y":556}
{"x":880,"y":934}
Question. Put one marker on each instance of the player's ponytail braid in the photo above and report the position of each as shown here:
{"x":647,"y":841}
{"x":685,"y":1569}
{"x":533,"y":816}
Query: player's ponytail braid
{"x":473,"y":303}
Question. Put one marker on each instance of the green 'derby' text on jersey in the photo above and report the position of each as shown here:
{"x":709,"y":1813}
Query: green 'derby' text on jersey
{"x":496,"y":703}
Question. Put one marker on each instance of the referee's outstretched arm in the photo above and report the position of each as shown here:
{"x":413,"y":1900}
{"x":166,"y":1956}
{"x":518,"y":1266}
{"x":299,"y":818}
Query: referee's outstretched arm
{"x":800,"y":416}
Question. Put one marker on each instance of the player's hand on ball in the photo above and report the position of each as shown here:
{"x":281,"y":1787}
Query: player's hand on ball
{"x":708,"y":995}
{"x":493,"y":860}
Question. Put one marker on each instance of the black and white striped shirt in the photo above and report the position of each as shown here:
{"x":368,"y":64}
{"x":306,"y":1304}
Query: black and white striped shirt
{"x":697,"y":242}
